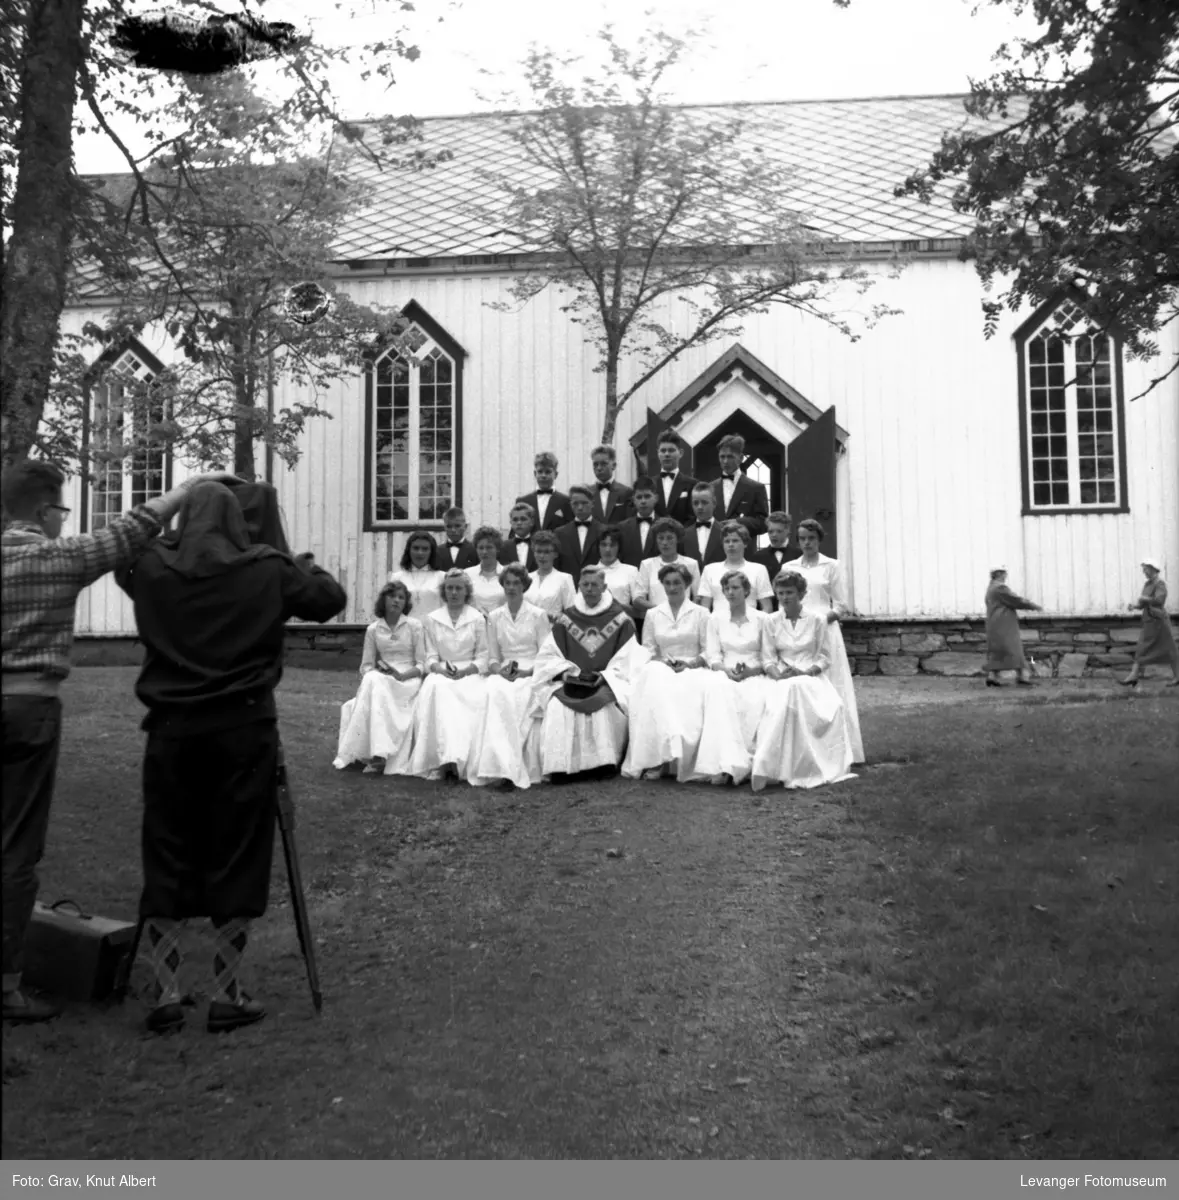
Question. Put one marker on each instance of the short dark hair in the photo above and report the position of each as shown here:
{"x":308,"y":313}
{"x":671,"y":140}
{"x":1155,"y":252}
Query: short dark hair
{"x":736,"y":575}
{"x":736,"y":527}
{"x":667,"y":525}
{"x":778,"y":517}
{"x":488,"y":533}
{"x":645,"y":483}
{"x":516,"y":571}
{"x":579,"y":489}
{"x":676,"y":569}
{"x":704,"y":487}
{"x":785,"y":578}
{"x":419,"y":535}
{"x":667,"y":436}
{"x":546,"y":539}
{"x":30,"y":483}
{"x":812,"y":526}
{"x":394,"y":585}
{"x":613,"y":533}
{"x":732,"y":441}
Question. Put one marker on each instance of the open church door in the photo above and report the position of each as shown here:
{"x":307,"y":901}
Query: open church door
{"x":810,"y":478}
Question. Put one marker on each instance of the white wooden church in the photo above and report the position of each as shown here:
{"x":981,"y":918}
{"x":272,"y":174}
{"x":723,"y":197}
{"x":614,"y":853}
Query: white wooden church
{"x":946,"y":452}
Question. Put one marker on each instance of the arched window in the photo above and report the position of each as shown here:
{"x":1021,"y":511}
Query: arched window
{"x":1072,"y":422}
{"x":413,"y":409}
{"x":124,"y":467}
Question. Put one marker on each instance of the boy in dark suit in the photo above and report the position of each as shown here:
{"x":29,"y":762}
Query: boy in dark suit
{"x":702,"y":537}
{"x":674,"y":498}
{"x":577,"y":541}
{"x":637,"y":540}
{"x":613,"y":501}
{"x":739,"y":498}
{"x":457,"y":550}
{"x":779,"y":552}
{"x":522,"y":518}
{"x":551,"y":507}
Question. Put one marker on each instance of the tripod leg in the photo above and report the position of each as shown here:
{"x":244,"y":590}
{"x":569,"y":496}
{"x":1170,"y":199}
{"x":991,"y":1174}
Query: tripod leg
{"x":123,"y":979}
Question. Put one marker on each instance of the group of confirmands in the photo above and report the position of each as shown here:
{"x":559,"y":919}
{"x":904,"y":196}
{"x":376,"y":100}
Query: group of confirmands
{"x":512,"y":659}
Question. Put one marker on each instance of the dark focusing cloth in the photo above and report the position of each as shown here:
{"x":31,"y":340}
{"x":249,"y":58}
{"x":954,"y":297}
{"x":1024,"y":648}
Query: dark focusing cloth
{"x":211,"y":608}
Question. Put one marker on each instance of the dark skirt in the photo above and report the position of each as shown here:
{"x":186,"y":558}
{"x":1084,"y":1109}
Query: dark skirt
{"x":1156,"y":642}
{"x":209,"y":814}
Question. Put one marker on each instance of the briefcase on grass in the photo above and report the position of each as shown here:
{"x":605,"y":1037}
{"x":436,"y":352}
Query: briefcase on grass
{"x":74,"y":954}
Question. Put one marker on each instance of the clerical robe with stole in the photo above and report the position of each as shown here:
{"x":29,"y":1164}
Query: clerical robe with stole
{"x":584,"y":720}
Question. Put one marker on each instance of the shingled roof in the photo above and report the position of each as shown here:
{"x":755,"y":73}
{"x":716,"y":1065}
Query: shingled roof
{"x":848,"y":156}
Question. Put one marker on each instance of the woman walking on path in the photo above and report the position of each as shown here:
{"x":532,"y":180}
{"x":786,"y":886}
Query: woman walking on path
{"x":1156,"y":642}
{"x":1004,"y":647}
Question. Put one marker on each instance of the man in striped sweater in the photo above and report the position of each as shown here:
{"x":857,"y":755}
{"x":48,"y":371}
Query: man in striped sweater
{"x":43,"y":574}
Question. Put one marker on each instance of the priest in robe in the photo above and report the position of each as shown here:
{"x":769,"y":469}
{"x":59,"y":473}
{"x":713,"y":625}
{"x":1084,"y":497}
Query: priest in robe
{"x":581,"y":681}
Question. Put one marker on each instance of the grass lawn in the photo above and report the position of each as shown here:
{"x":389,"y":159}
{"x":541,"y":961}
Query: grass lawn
{"x":971,"y":951}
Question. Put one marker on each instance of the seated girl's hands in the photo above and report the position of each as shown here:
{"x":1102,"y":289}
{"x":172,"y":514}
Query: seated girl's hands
{"x":832,"y":616}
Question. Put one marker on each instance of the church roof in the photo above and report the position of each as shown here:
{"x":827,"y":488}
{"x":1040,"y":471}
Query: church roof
{"x":847,"y":156}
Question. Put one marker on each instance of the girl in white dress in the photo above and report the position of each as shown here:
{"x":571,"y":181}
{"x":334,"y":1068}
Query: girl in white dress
{"x":825,"y":596}
{"x":376,"y":725}
{"x":487,"y":593}
{"x":736,"y":696}
{"x":802,"y":740}
{"x":667,"y":696}
{"x":451,"y":703}
{"x":507,"y":743}
{"x":419,"y":572}
{"x":551,"y":590}
{"x":667,"y":532}
{"x":735,"y":538}
{"x":622,"y":580}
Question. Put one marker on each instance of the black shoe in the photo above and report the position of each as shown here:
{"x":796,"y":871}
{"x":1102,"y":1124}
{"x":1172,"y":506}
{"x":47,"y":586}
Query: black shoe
{"x":225,"y":1017}
{"x":26,"y":1009}
{"x":993,"y":683}
{"x":166,"y":1018}
{"x":1024,"y":683}
{"x":1128,"y":682}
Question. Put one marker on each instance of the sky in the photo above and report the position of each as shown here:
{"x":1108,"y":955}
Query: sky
{"x":753,"y":50}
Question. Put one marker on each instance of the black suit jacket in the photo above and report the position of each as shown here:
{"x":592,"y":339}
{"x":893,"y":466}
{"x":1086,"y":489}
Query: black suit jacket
{"x":571,"y":558}
{"x":714,"y":552}
{"x":466,"y":556}
{"x":680,"y":506}
{"x":619,"y":505}
{"x":508,"y":554}
{"x":632,"y":551}
{"x":559,"y":511}
{"x":750,"y":504}
{"x":769,"y":559}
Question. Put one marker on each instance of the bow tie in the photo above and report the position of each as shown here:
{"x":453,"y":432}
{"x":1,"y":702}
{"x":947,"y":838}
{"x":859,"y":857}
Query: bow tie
{"x":669,"y":474}
{"x":704,"y":525}
{"x":544,"y":491}
{"x":583,"y":524}
{"x":728,"y":478}
{"x":605,"y":487}
{"x":523,"y":539}
{"x":455,"y":545}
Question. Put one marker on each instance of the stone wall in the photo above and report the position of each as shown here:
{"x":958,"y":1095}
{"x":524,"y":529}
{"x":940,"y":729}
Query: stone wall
{"x":1065,"y":648}
{"x":1057,"y":647}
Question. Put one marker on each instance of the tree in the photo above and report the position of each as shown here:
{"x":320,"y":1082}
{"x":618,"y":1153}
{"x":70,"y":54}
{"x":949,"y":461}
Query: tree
{"x":629,"y":201}
{"x":227,"y":244}
{"x":52,"y":52}
{"x":1073,"y":177}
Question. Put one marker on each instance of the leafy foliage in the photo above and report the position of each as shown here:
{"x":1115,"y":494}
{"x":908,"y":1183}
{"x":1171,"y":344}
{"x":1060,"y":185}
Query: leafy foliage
{"x":1076,"y":188}
{"x":632,"y":203}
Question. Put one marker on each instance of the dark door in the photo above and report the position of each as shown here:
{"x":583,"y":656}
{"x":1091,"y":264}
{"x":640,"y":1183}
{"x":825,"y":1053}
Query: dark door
{"x":811,"y":470}
{"x":765,"y":459}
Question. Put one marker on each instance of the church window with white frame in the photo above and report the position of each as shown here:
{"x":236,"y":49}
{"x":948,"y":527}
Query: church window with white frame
{"x":123,"y":467}
{"x":413,"y":410}
{"x":1072,"y":420}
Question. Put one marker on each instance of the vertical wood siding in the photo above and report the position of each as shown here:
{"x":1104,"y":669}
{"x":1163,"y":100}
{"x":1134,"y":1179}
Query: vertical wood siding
{"x":930,"y":488}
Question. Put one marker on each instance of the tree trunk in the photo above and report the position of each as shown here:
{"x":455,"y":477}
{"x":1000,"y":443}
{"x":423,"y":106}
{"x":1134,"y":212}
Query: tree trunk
{"x":37,"y":261}
{"x":610,"y":424}
{"x":243,"y":434}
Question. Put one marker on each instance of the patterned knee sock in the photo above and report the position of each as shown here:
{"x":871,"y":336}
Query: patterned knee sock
{"x":166,"y":939}
{"x":228,"y":948}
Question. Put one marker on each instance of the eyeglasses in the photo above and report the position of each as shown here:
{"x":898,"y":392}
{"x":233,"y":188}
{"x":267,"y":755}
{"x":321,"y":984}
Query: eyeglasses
{"x":61,"y":508}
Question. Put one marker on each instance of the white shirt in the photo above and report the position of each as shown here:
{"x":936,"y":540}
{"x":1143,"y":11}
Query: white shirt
{"x":553,"y":592}
{"x":522,"y":549}
{"x":801,"y":644}
{"x":488,"y":593}
{"x":730,"y":643}
{"x":760,"y":587}
{"x":683,"y":636}
{"x":728,"y":487}
{"x":425,"y":589}
{"x":515,"y":639}
{"x":542,"y":506}
{"x":651,"y":590}
{"x":582,"y":534}
{"x":623,"y":581}
{"x":403,"y":646}
{"x":824,"y":584}
{"x":702,"y":535}
{"x":460,"y":642}
{"x":668,"y":484}
{"x":451,"y":550}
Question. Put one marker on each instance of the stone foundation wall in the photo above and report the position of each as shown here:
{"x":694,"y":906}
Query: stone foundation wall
{"x":1056,"y":647}
{"x":1060,"y":647}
